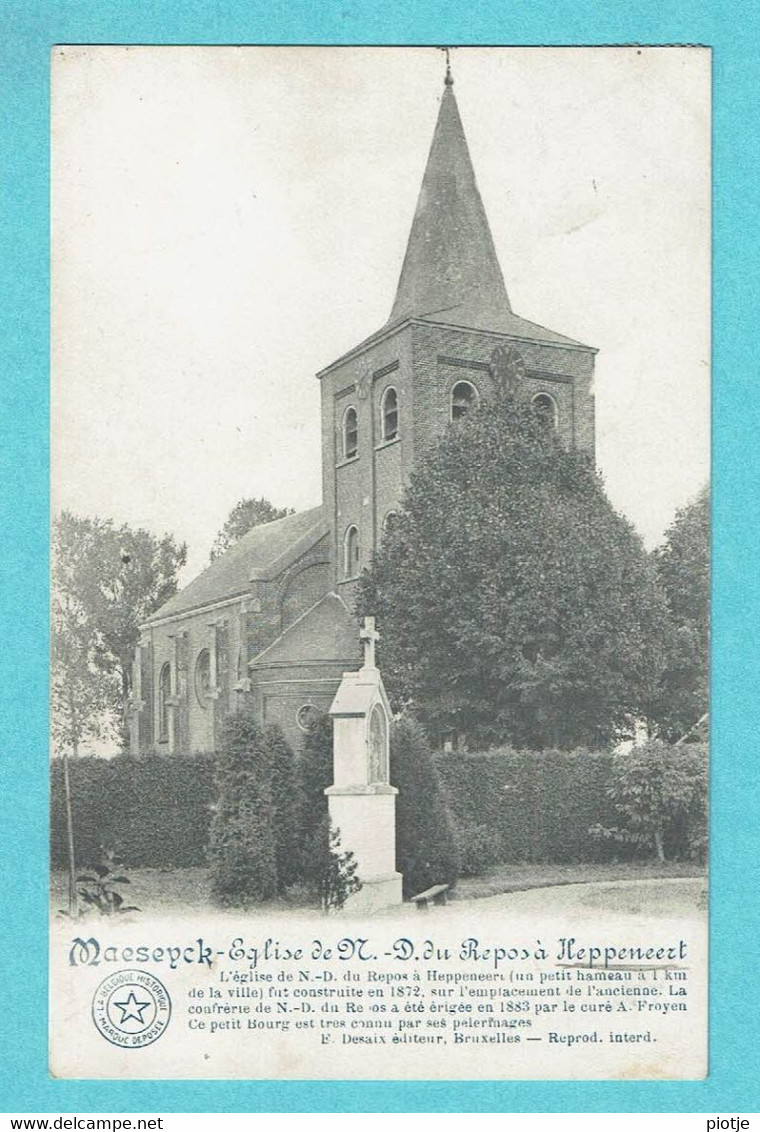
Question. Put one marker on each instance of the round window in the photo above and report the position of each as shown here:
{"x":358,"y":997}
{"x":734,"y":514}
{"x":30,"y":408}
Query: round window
{"x":203,"y":678}
{"x":307,"y":717}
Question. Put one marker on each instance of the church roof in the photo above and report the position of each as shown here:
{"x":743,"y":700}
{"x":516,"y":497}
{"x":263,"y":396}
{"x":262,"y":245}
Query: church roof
{"x":326,"y":633}
{"x":451,"y":273}
{"x":262,"y":553}
{"x":451,"y":269}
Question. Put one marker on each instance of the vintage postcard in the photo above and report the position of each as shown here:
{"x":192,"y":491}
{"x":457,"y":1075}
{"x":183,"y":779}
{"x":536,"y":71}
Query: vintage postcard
{"x":380,"y":484}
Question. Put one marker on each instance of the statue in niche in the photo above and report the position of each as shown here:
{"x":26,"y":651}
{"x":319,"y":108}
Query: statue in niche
{"x":378,"y":745}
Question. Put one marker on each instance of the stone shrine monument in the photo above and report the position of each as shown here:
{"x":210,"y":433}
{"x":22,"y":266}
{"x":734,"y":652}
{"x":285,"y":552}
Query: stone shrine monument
{"x":361,"y":800}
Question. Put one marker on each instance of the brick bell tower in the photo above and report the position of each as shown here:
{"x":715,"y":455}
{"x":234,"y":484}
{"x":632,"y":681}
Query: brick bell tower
{"x":451,"y":327}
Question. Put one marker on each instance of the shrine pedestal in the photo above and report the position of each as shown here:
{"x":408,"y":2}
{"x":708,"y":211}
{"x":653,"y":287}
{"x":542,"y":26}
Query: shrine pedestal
{"x":361,"y":800}
{"x":366,"y":818}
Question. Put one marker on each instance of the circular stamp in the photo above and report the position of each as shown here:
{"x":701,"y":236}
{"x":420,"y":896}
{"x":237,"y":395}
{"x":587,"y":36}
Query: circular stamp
{"x":131,"y":1009}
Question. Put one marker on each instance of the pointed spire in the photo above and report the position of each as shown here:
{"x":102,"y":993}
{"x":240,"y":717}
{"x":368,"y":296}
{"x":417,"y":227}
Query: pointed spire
{"x":450,"y":268}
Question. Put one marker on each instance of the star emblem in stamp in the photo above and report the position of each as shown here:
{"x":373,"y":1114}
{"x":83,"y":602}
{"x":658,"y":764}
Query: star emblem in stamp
{"x":131,"y":1008}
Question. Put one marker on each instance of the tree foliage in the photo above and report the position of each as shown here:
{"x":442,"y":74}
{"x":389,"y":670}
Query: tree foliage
{"x":660,"y":795}
{"x":683,"y":566}
{"x":106,"y":580}
{"x":82,"y":694}
{"x":515,"y":604}
{"x":243,"y":517}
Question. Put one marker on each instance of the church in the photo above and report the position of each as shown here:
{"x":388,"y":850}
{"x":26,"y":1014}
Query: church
{"x":270,"y":625}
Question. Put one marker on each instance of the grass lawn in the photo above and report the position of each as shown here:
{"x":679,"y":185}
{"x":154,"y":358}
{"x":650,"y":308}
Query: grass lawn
{"x":520,"y":878}
{"x":178,"y":891}
{"x":151,"y":890}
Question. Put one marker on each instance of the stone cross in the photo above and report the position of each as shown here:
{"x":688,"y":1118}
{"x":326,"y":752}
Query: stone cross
{"x":369,"y":636}
{"x":448,"y":80}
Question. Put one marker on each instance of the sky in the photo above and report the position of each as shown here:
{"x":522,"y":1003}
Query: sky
{"x":227,"y":221}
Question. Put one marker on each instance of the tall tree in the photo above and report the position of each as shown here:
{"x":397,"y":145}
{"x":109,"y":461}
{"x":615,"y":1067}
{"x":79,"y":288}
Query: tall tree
{"x":683,"y":565}
{"x":245,"y":515}
{"x":514,"y":603}
{"x":106,"y":581}
{"x":82,"y":692}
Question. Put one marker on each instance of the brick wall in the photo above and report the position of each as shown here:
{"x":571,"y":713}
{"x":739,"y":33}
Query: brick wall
{"x":233,"y":632}
{"x":180,"y":643}
{"x":423,"y":362}
{"x":360,"y":491}
{"x":443,"y":356}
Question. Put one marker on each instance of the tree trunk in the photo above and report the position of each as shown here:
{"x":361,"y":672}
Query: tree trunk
{"x":73,"y":899}
{"x":124,"y":737}
{"x":658,"y":845}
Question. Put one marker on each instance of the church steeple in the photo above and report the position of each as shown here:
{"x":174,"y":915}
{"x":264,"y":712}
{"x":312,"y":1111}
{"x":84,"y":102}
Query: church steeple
{"x":450,"y":269}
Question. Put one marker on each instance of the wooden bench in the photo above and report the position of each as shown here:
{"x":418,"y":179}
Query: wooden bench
{"x":434,"y":895}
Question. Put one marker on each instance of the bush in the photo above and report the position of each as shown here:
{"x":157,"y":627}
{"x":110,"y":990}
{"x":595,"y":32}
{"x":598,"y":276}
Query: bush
{"x":152,"y":812}
{"x":335,"y":871}
{"x":243,"y":849}
{"x":660,"y":798}
{"x":426,"y":849}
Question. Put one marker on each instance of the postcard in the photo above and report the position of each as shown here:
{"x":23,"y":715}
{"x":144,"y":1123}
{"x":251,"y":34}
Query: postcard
{"x":380,"y":543}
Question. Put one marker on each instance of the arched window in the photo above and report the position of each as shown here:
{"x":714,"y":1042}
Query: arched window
{"x":464,"y":397}
{"x":390,"y":521}
{"x":389,"y":413}
{"x":351,"y":553}
{"x":546,"y":406}
{"x":350,"y":433}
{"x":164,"y":692}
{"x":203,"y":678}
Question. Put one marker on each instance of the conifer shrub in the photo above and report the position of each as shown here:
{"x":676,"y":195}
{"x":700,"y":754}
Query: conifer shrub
{"x":315,"y":774}
{"x":243,"y":848}
{"x":286,"y":801}
{"x":426,"y":848}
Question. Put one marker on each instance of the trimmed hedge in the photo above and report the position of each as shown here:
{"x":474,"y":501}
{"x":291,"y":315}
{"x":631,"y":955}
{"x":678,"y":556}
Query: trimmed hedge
{"x":545,"y":806}
{"x":516,"y":806}
{"x":152,"y":812}
{"x":507,"y":806}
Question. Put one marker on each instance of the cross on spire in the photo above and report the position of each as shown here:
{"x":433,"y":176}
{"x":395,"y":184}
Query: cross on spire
{"x":450,"y":268}
{"x":449,"y":81}
{"x":369,"y":637}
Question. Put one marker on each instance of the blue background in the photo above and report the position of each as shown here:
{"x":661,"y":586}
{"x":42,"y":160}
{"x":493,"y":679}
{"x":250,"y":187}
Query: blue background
{"x":29,"y":29}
